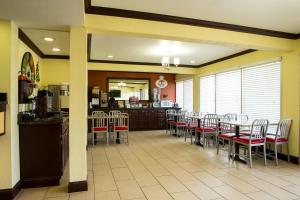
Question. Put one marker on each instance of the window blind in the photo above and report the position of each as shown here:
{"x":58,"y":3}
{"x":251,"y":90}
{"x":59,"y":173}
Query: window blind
{"x":261,"y":92}
{"x":188,"y":95}
{"x":207,"y":94}
{"x":179,"y":93}
{"x":228,"y":92}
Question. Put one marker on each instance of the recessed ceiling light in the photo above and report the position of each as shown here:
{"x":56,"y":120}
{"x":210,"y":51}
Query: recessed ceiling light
{"x":55,"y":49}
{"x":48,"y":39}
{"x":110,"y":56}
{"x":192,"y":61}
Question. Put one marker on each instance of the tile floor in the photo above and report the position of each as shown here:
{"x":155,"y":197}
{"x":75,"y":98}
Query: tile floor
{"x":158,"y":166}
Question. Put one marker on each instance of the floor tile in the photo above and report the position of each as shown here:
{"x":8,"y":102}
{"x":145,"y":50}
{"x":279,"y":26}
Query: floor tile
{"x":208,"y":179}
{"x":122,"y":174}
{"x":230,"y":193}
{"x":110,"y":195}
{"x":171,"y":184}
{"x":239,"y":184}
{"x":261,"y":196}
{"x":129,"y":189}
{"x":201,"y":190}
{"x":156,"y":193}
{"x":184,"y":196}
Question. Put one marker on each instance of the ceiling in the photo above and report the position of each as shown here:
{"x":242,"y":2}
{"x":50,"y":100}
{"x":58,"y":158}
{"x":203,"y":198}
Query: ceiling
{"x":278,"y":15}
{"x":61,"y":40}
{"x":54,"y":14}
{"x":138,"y":49}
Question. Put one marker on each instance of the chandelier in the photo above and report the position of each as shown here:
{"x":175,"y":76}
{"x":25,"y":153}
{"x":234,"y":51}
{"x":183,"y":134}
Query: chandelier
{"x":165,"y":62}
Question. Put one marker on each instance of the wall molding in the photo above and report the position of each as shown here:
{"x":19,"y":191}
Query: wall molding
{"x":9,"y":194}
{"x":77,"y":186}
{"x":227,"y":57}
{"x":24,"y":38}
{"x":97,"y":10}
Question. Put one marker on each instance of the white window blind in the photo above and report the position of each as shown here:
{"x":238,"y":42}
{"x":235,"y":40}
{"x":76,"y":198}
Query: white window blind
{"x":179,"y":93}
{"x":228,"y":92}
{"x":188,"y":95}
{"x":261,"y":92}
{"x":207,"y":94}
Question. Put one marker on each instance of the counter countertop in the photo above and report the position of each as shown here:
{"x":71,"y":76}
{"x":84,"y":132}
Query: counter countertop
{"x":56,"y":119}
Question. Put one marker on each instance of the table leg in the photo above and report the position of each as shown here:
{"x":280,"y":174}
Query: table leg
{"x":197,"y":134}
{"x":237,"y":146}
{"x":118,"y":138}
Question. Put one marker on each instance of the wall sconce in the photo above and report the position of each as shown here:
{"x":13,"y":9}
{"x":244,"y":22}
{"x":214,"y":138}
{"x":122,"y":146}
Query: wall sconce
{"x":3,"y":102}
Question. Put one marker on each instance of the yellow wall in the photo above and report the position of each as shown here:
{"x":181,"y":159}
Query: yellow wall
{"x":55,"y":71}
{"x":289,"y":83}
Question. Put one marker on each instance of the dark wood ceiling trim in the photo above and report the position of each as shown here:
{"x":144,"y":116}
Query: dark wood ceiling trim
{"x":57,"y":57}
{"x":136,"y":63}
{"x":97,"y":10}
{"x":227,"y":57}
{"x":24,"y":38}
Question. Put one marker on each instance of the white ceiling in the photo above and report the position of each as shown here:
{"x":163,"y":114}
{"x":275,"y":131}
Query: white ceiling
{"x":136,"y":49}
{"x":279,"y":15}
{"x":54,"y":14}
{"x":61,"y":40}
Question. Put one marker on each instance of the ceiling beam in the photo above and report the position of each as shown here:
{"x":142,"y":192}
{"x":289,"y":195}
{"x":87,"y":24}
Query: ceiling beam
{"x":98,"y":10}
{"x":99,"y":24}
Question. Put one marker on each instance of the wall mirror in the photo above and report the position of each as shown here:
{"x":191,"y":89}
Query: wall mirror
{"x":123,"y":88}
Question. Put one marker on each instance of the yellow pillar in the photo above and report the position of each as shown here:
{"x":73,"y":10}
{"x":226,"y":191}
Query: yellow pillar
{"x":9,"y":143}
{"x":78,"y":110}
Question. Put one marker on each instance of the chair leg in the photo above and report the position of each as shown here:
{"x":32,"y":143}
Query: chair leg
{"x":229,"y":148}
{"x":250,"y":156}
{"x":93,"y":138}
{"x":232,"y":151}
{"x":288,"y":152}
{"x":265,"y":155}
{"x":107,"y":138}
{"x":275,"y":152}
{"x":192,"y":136}
{"x":218,"y":146}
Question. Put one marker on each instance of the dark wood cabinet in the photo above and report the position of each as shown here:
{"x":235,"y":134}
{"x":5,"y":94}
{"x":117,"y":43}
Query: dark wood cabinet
{"x":44,"y":151}
{"x":143,"y":119}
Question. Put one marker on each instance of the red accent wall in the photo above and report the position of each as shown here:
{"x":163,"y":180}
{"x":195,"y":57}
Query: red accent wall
{"x":99,"y":78}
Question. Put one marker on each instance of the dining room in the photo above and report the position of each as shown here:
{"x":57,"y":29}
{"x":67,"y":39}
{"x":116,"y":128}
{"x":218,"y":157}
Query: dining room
{"x":140,"y":100}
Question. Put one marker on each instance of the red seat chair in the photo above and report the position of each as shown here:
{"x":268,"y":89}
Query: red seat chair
{"x":209,"y":128}
{"x":121,"y":126}
{"x":256,"y":138}
{"x":191,"y":125}
{"x":170,"y":118}
{"x":227,"y":132}
{"x":179,"y":125}
{"x":99,"y":125}
{"x":281,"y":137}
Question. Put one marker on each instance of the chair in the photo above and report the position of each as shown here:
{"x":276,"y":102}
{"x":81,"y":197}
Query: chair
{"x":257,"y":137}
{"x":179,"y":124}
{"x":121,"y":126}
{"x":281,"y":137}
{"x":170,"y":118}
{"x":99,"y":125}
{"x":191,"y":125}
{"x":232,"y":116}
{"x":209,"y":127}
{"x":227,"y":132}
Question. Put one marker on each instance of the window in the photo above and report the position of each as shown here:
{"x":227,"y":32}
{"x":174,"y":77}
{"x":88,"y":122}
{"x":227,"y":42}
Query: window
{"x":179,"y":93}
{"x":188,"y":95}
{"x":184,"y":94}
{"x":207,"y":94}
{"x":254,"y":91}
{"x":228,"y":92}
{"x":261,"y":92}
